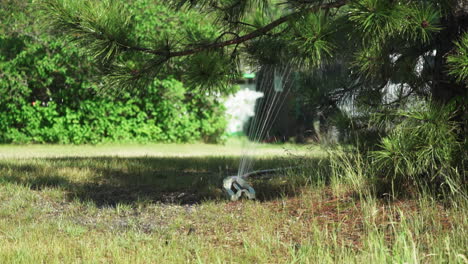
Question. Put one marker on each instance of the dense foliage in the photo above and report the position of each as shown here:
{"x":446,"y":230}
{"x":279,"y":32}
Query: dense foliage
{"x":378,"y":41}
{"x":423,"y":147}
{"x":51,"y":92}
{"x":373,"y":54}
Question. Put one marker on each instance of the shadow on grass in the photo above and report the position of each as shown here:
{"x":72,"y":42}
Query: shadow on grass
{"x":108,"y":181}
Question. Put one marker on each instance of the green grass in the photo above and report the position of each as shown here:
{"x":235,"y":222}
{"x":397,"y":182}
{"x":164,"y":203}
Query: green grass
{"x":162,"y":204}
{"x":233,"y":147}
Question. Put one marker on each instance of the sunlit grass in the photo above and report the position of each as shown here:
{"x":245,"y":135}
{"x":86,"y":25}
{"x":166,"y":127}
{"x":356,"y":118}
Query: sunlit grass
{"x":169,"y":209}
{"x":233,"y":147}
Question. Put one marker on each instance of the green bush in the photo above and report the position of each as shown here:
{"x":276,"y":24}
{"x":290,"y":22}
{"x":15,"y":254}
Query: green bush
{"x":50,"y":92}
{"x":149,"y":118}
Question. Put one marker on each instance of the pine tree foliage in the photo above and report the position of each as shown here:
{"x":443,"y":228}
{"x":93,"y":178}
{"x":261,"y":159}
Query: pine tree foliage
{"x":423,"y":147}
{"x":458,"y":61}
{"x":380,"y":41}
{"x":100,"y":26}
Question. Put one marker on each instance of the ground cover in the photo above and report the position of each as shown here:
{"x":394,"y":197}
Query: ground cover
{"x":162,"y":204}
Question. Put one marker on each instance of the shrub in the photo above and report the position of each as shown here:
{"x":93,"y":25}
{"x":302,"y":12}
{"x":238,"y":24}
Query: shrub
{"x":49,"y":92}
{"x":149,"y":118}
{"x":423,"y":147}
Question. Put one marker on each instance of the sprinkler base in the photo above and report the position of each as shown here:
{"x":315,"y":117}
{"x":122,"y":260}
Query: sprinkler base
{"x":236,"y":187}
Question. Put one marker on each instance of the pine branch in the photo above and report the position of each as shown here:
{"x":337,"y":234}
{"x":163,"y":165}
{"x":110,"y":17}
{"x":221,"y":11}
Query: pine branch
{"x":241,"y":39}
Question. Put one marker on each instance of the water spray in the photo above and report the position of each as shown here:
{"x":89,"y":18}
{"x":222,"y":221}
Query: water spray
{"x":275,"y":85}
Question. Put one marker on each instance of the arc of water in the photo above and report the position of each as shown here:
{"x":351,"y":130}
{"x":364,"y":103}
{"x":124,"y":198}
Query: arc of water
{"x":268,"y":110}
{"x":253,"y":129}
{"x":264,"y":85}
{"x":273,"y":109}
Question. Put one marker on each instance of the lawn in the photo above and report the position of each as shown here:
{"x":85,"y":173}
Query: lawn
{"x":163,"y":204}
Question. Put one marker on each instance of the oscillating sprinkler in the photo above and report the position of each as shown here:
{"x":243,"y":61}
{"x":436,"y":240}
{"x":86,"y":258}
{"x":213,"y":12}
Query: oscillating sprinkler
{"x":236,"y":187}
